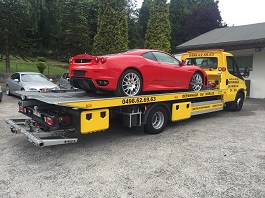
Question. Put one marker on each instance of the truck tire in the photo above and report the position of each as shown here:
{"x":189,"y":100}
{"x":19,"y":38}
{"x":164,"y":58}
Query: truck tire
{"x":237,"y":104}
{"x":156,"y":120}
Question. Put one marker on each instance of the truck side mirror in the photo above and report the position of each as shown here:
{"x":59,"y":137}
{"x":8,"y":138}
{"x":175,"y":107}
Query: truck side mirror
{"x":246,"y":72}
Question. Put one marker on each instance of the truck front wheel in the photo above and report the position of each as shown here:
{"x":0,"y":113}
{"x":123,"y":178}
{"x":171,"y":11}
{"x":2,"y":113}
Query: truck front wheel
{"x":237,"y":104}
{"x":156,"y":120}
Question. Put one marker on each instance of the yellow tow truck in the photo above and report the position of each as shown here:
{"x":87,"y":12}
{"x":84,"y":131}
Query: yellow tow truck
{"x":53,"y":115}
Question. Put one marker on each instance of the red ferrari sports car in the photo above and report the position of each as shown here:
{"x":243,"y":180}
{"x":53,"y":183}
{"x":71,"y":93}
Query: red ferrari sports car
{"x":132,"y":72}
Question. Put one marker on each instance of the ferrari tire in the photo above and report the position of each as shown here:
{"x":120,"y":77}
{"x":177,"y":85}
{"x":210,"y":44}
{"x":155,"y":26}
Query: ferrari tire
{"x":129,"y":83}
{"x":156,"y":120}
{"x":196,"y":82}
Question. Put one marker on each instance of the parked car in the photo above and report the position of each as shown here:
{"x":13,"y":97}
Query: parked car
{"x":64,"y":81}
{"x":134,"y":71}
{"x":28,"y":81}
{"x":1,"y":94}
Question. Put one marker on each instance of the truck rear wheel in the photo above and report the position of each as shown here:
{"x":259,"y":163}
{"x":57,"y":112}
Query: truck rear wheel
{"x":156,"y":120}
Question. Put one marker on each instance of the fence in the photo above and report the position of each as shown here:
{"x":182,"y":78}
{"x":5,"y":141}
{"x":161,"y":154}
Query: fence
{"x":51,"y":71}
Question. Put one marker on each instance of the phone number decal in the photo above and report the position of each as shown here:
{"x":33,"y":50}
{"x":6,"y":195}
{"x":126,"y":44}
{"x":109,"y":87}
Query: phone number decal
{"x":138,"y":100}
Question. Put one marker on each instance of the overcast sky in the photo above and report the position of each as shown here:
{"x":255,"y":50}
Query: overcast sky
{"x":239,"y":12}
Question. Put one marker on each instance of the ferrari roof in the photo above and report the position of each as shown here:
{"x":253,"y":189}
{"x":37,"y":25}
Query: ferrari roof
{"x":229,"y":38}
{"x":139,"y":51}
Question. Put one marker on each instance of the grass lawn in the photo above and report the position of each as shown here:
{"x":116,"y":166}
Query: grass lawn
{"x":16,"y":65}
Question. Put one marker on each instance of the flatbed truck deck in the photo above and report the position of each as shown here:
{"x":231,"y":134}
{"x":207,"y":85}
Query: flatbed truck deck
{"x":53,"y":115}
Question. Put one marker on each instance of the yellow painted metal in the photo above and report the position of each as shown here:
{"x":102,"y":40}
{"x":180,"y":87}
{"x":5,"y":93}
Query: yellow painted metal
{"x":181,"y":111}
{"x":94,"y":120}
{"x":143,"y":99}
{"x":206,"y":107}
{"x":221,"y":74}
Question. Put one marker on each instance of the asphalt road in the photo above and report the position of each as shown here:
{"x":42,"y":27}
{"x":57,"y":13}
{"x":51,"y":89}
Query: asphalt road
{"x":220,"y":154}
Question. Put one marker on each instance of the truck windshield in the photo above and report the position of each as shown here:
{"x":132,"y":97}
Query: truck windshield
{"x":203,"y":62}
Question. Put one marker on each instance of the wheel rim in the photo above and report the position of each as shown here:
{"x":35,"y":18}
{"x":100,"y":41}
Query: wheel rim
{"x":239,"y":102}
{"x":158,"y":120}
{"x":131,"y":84}
{"x":7,"y":90}
{"x":196,"y":82}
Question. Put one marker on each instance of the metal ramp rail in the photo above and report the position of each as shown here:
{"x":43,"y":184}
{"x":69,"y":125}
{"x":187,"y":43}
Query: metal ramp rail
{"x":37,"y":136}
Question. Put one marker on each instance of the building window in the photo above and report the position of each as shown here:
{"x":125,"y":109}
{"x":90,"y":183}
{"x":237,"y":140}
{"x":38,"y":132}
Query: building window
{"x":244,"y":61}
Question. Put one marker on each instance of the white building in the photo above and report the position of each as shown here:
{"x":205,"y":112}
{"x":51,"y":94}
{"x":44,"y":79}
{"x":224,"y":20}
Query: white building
{"x":246,"y":43}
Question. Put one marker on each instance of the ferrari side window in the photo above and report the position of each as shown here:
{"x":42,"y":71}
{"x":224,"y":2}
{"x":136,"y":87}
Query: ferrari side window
{"x":165,"y":58}
{"x":150,"y":56}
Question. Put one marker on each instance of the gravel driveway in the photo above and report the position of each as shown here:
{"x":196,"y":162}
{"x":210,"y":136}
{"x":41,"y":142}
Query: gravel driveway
{"x":220,"y":154}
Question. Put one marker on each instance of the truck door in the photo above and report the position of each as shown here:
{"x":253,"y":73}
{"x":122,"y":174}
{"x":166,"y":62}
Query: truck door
{"x":234,"y":80}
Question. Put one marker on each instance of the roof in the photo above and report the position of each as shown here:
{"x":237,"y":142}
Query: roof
{"x":228,"y":38}
{"x":27,"y":73}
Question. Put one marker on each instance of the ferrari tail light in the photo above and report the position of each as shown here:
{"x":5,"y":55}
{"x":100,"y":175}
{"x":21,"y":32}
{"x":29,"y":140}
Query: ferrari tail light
{"x":100,"y":59}
{"x":103,"y":60}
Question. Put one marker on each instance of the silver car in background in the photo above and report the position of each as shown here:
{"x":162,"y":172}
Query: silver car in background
{"x":64,"y":81}
{"x":28,"y":81}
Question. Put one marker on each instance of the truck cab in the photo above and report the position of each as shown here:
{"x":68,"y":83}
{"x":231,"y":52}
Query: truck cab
{"x":222,"y":71}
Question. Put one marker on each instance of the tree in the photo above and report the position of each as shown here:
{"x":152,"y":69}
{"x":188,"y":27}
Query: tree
{"x":41,"y":65}
{"x":144,"y":15}
{"x":75,"y":36}
{"x":134,"y":37}
{"x":112,"y":30}
{"x":158,"y":27}
{"x":178,"y":10}
{"x":201,"y":20}
{"x":15,"y":29}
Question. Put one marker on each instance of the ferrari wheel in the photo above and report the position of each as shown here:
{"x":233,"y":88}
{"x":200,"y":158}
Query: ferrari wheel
{"x":196,"y":82}
{"x":129,"y":84}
